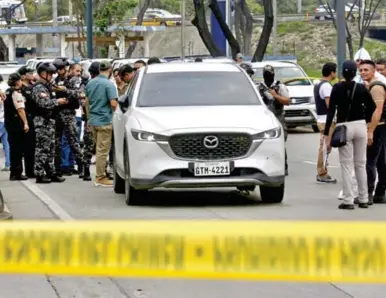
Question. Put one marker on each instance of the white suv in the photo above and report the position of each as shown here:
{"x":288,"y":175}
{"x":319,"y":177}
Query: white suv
{"x":191,"y":125}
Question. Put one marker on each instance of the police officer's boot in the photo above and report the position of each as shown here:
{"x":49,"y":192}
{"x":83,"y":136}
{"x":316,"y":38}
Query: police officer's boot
{"x":86,"y":174}
{"x":43,"y":180}
{"x":57,"y":179}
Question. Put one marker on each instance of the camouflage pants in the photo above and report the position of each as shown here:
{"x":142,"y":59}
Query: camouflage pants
{"x":66,"y":124}
{"x":45,"y":146}
{"x":88,"y":146}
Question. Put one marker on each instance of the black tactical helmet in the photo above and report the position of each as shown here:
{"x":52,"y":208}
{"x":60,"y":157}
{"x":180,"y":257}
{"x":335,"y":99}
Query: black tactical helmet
{"x":47,"y":67}
{"x":248,"y":68}
{"x":13,"y":78}
{"x":94,"y":68}
{"x":24,"y":70}
{"x":61,"y":63}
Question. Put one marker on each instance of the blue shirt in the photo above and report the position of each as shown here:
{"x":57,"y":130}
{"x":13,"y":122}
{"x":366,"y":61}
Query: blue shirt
{"x":100,"y":91}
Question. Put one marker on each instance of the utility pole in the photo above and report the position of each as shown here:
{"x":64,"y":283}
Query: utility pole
{"x":90,"y":22}
{"x":57,"y":42}
{"x":300,"y":6}
{"x":341,"y":28}
{"x":274,"y":33}
{"x":70,"y":9}
{"x":183,"y":30}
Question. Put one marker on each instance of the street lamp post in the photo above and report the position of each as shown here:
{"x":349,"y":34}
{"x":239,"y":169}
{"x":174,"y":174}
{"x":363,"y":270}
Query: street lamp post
{"x":274,"y":31}
{"x":89,"y":17}
{"x":341,"y":28}
{"x":183,"y":30}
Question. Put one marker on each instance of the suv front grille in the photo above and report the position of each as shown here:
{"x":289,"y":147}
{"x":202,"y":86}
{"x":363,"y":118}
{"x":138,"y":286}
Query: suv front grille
{"x":191,"y":146}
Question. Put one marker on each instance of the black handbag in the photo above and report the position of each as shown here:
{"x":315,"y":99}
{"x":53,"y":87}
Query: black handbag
{"x":339,"y":136}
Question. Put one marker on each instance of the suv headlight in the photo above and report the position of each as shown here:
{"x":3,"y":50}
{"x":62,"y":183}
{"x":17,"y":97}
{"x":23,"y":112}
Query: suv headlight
{"x":312,"y":99}
{"x":148,"y":136}
{"x":269,"y":134}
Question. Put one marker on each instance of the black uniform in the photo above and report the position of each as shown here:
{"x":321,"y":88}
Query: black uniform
{"x":276,"y":108}
{"x":16,"y":136}
{"x":30,"y":137}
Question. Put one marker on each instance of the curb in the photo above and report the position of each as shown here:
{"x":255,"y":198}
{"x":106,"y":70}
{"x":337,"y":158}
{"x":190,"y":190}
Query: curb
{"x":5,"y":214}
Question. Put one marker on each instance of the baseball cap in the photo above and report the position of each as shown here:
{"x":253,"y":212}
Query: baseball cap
{"x":104,"y":65}
{"x":24,"y":70}
{"x":239,"y":56}
{"x":349,"y":66}
{"x":13,"y":78}
{"x":269,"y":69}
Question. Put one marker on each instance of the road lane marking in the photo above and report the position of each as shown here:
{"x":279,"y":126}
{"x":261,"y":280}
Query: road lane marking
{"x":315,"y":163}
{"x":51,"y":204}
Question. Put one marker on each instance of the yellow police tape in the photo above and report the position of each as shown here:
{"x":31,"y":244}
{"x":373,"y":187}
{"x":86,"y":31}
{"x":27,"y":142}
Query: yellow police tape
{"x":250,"y":250}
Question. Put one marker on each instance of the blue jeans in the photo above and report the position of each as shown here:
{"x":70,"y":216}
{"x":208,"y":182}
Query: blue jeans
{"x":67,"y":156}
{"x":4,"y":141}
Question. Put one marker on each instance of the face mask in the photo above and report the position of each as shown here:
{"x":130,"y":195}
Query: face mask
{"x":268,"y":78}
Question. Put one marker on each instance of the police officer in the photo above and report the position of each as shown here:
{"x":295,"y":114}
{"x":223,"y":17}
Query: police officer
{"x":65,"y":117}
{"x":88,"y":141}
{"x":46,"y":102}
{"x":16,"y":124}
{"x":28,"y":81}
{"x":275,"y":96}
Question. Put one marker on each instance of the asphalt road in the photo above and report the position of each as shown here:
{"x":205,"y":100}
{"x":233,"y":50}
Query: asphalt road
{"x":304,"y":200}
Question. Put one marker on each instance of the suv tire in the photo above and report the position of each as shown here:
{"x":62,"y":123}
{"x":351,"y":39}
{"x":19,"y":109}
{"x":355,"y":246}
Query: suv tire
{"x":119,"y":182}
{"x":272,"y":195}
{"x":132,"y":195}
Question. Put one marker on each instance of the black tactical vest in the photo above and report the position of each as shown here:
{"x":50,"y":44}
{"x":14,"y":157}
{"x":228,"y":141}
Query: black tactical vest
{"x":320,"y":103}
{"x":273,"y":105}
{"x":11,"y":117}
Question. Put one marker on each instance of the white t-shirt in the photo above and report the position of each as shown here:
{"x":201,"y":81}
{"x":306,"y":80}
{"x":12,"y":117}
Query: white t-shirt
{"x":324,"y":91}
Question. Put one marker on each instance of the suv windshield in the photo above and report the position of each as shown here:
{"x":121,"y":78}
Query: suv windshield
{"x":284,"y":74}
{"x":196,"y":89}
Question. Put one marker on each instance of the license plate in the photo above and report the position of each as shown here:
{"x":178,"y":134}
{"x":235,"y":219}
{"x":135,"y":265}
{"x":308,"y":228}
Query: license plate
{"x":212,"y":169}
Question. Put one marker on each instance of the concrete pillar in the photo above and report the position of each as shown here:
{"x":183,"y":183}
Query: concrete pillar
{"x":120,"y":43}
{"x":147,"y":36}
{"x":39,"y":45}
{"x":63,"y":44}
{"x":12,"y":47}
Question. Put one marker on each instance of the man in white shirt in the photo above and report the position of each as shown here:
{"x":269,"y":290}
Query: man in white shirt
{"x":360,"y":56}
{"x":322,"y":93}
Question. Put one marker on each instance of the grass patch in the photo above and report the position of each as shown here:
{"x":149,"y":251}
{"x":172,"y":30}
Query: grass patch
{"x":292,"y":27}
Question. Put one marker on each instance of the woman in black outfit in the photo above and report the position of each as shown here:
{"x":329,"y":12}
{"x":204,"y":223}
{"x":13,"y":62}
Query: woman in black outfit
{"x":16,"y":124}
{"x":352,"y":101}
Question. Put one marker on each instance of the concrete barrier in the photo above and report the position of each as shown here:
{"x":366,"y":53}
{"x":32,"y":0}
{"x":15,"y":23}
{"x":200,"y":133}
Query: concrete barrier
{"x":5,"y":214}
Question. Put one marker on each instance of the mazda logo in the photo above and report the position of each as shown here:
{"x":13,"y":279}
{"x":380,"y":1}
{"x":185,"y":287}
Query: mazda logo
{"x":211,"y":142}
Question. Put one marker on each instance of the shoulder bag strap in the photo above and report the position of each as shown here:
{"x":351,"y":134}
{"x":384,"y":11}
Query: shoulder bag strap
{"x":351,"y":99}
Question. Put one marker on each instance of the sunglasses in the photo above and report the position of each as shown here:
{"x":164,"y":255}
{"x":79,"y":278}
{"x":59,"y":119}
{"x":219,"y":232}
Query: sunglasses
{"x":135,"y":68}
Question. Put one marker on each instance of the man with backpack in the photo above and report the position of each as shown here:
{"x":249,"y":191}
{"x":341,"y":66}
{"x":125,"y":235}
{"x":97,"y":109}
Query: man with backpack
{"x":275,"y":96}
{"x":376,"y":153}
{"x":322,"y":92}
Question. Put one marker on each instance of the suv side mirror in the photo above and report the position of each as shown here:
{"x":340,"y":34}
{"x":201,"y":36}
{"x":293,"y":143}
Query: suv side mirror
{"x":123,"y":102}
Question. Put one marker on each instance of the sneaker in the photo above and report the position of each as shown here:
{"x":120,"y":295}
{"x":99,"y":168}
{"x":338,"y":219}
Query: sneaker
{"x":325,"y":179}
{"x":6,"y":169}
{"x":346,"y":206}
{"x":104,"y":182}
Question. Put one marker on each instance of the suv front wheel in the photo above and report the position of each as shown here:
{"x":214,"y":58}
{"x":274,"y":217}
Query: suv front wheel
{"x":272,"y":195}
{"x":132,"y":195}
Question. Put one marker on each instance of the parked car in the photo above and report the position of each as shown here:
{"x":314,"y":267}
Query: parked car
{"x":322,"y":13}
{"x":192,"y":125}
{"x":302,"y":110}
